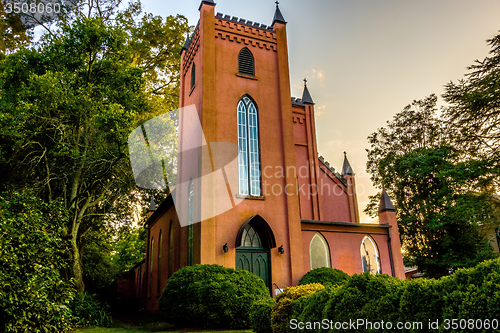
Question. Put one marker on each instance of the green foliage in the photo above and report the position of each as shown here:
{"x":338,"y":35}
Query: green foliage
{"x":34,"y":295}
{"x":470,"y":293}
{"x":67,"y":108}
{"x":88,"y":311}
{"x":442,"y":194}
{"x":441,"y":220}
{"x":365,"y":296}
{"x":211,"y":296}
{"x":130,"y":249}
{"x":312,"y":308}
{"x":260,"y":316}
{"x":325,"y":276}
{"x":473,"y":106}
{"x":282,"y":309}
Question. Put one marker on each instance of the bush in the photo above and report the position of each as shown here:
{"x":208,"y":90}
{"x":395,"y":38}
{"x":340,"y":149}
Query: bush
{"x":211,"y":296}
{"x":325,"y":276}
{"x":467,"y":294}
{"x":314,"y":305}
{"x":361,"y":298}
{"x":282,"y":309}
{"x":260,"y":316}
{"x":88,"y":311}
{"x":34,"y":296}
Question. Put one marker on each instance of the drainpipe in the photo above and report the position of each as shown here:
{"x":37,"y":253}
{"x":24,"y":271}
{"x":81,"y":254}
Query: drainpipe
{"x":390,"y":251}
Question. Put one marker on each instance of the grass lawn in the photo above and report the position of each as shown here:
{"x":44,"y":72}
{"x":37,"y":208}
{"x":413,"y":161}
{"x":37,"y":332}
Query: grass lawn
{"x":138,"y":330}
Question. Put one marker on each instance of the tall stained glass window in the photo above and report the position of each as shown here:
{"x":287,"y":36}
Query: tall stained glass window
{"x":248,"y":148}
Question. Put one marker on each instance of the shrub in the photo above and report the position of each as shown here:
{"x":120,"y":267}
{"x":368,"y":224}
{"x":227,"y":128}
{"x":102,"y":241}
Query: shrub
{"x":474,"y":292}
{"x":34,"y":296}
{"x":361,"y":296}
{"x":325,"y":276}
{"x":88,"y":311}
{"x":282,"y":309}
{"x":260,"y":316}
{"x":467,"y":294}
{"x":211,"y":296}
{"x":314,"y":305}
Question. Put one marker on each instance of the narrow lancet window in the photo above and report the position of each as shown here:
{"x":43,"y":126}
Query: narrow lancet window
{"x":248,"y":148}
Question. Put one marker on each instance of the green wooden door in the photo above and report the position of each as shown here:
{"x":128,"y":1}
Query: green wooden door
{"x":255,"y":261}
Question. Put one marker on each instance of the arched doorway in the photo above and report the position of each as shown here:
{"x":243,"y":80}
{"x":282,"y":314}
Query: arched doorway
{"x":253,"y":243}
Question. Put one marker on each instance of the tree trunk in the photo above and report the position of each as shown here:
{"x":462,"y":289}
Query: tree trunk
{"x":77,"y":265}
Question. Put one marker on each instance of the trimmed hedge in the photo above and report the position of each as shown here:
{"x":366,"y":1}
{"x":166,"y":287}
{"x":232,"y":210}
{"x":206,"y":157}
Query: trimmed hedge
{"x":324,"y":275}
{"x":260,"y":316}
{"x":211,"y":296}
{"x":471,"y":293}
{"x":311,"y":308}
{"x":281,"y":311}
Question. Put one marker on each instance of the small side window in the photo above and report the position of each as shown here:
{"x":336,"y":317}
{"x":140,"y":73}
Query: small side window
{"x":193,"y":76}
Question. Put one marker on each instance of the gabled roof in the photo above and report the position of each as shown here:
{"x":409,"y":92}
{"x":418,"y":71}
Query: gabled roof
{"x":385,"y":204}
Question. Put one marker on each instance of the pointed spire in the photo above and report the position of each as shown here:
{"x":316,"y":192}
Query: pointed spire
{"x":278,"y":17}
{"x":346,"y":168}
{"x":152,"y":205}
{"x":207,"y":2}
{"x":385,"y":204}
{"x":306,"y":96}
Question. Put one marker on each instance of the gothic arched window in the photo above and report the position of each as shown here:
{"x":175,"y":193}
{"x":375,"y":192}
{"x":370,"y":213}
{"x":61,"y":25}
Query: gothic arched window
{"x":190,"y":223}
{"x":319,"y":252}
{"x":369,"y":256}
{"x":248,"y":148}
{"x":246,"y":62}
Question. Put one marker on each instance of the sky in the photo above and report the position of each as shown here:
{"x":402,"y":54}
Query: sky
{"x":365,"y":60}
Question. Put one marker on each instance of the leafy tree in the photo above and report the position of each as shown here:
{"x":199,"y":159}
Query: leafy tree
{"x":440,"y":215}
{"x":130,"y":249}
{"x":67,"y":109}
{"x":442,"y":194}
{"x":416,"y":126}
{"x":475,"y":105}
{"x":34,"y":294}
{"x":13,"y":33}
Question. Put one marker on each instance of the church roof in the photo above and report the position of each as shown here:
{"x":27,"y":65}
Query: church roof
{"x":186,"y":44}
{"x":278,"y":17}
{"x":385,"y":204}
{"x":332,"y":170}
{"x":346,"y":168}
